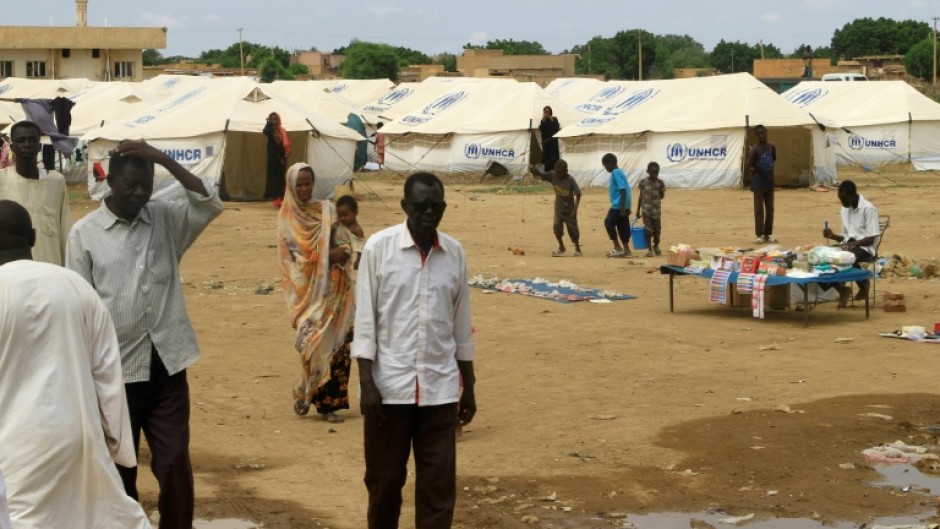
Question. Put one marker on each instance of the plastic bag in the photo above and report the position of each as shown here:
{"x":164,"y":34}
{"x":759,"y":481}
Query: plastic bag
{"x":831,"y":255}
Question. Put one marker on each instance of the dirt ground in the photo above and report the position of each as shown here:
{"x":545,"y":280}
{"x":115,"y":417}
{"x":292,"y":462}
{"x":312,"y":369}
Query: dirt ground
{"x":687,"y":396}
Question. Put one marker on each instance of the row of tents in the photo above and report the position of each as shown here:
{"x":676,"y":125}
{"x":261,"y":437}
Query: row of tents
{"x":697,"y":129}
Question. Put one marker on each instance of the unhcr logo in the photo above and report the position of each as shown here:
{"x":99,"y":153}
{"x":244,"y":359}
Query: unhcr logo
{"x":474,"y":151}
{"x":434,"y":108}
{"x":859,"y":143}
{"x":632,"y":101}
{"x":170,"y":83}
{"x":182,"y":99}
{"x":385,"y":102}
{"x":4,"y":88}
{"x":596,"y":103}
{"x":805,"y":98}
{"x":340,"y":87}
{"x":678,"y":152}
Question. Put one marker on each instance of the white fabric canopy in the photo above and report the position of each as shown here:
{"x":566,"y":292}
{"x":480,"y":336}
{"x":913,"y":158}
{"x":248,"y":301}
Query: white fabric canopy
{"x":694,"y":128}
{"x":874,"y":123}
{"x":197,"y":123}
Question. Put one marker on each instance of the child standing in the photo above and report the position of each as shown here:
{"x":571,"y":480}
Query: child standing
{"x":567,"y":200}
{"x":618,"y":216}
{"x":649,"y":206}
{"x":349,"y":234}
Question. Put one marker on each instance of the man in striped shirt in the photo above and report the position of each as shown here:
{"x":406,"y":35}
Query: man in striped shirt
{"x":130,"y":250}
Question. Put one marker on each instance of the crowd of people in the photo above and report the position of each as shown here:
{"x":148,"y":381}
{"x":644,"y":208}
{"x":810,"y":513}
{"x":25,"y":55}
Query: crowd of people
{"x":97,"y":339}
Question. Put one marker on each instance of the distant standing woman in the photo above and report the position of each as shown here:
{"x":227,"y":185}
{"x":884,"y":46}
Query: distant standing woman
{"x":549,"y":127}
{"x":319,"y":296}
{"x":278,"y":153}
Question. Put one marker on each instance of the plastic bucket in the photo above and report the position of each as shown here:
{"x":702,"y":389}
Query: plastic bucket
{"x":638,"y":236}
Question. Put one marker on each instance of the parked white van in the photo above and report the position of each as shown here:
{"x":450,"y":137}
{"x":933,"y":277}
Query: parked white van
{"x":844,"y":77}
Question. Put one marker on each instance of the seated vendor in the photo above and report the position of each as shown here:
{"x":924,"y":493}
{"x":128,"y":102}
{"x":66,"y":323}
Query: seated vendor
{"x":860,"y":234}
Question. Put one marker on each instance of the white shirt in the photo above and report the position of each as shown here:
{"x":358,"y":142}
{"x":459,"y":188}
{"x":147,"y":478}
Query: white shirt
{"x":63,"y":412}
{"x":4,"y":510}
{"x":413,"y":318}
{"x":861,"y":222}
{"x":47,"y":201}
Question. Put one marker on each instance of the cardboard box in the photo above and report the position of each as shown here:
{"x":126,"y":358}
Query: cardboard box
{"x":776,"y":297}
{"x":681,"y":258}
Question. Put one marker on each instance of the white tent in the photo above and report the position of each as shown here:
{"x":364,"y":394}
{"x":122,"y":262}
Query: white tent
{"x":696,"y":129}
{"x":449,"y":125}
{"x":874,"y":123}
{"x":106,"y":103}
{"x":214,"y":129}
{"x":19,"y":88}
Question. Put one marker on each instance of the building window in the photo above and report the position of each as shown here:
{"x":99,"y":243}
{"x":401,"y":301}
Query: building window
{"x":35,"y":68}
{"x":66,"y":53}
{"x":123,"y":69}
{"x":95,"y":53}
{"x":6,"y":68}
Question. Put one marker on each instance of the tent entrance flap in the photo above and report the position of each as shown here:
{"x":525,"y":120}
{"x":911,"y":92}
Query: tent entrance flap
{"x":244,"y":169}
{"x":794,"y":165}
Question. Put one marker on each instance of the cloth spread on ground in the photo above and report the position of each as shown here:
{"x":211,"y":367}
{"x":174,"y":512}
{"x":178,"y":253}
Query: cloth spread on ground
{"x":562,"y":291}
{"x":928,"y":337}
{"x":757,"y":298}
{"x":718,"y":287}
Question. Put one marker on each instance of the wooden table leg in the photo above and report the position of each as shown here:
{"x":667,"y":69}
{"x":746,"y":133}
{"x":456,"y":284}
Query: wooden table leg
{"x":805,"y":289}
{"x":671,"y":302}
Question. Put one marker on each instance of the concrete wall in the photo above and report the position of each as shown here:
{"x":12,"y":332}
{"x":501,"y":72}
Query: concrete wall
{"x":32,"y":37}
{"x":79,"y":64}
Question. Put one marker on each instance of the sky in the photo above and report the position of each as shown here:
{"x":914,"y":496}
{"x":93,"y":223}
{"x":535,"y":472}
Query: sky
{"x":435,"y":26}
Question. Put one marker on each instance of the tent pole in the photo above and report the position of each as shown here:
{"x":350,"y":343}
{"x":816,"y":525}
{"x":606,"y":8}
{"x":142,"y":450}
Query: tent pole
{"x":747,"y":128}
{"x":910,"y":136}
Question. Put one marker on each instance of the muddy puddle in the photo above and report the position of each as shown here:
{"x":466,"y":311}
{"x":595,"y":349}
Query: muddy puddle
{"x":230,"y":523}
{"x":899,"y":478}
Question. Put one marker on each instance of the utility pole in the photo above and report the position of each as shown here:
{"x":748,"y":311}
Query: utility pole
{"x":732,"y":60}
{"x":762,"y":49}
{"x":639,"y":38}
{"x":241,"y":51}
{"x":934,"y":51}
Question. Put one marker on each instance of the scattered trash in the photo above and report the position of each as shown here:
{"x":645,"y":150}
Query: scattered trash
{"x":847,"y":466}
{"x":735,"y":520}
{"x":845,"y":340}
{"x":877,"y":416}
{"x":771,"y":493}
{"x":771,"y":347}
{"x":757,"y":448}
{"x":745,"y":399}
{"x":214,"y":285}
{"x":885,"y":454}
{"x":264,"y":290}
{"x":530,"y":519}
{"x":786,"y":409}
{"x":551,"y":497}
{"x":602,"y":417}
{"x":688,"y":472}
{"x":516,"y":251}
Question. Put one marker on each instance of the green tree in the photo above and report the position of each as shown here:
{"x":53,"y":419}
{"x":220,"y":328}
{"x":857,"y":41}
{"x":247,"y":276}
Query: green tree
{"x":408,"y":56}
{"x":677,"y":51}
{"x":733,"y":57}
{"x":919,"y":59}
{"x":298,"y":69}
{"x":448,"y":60}
{"x":368,"y":60}
{"x":152,"y":57}
{"x":882,"y":36}
{"x":512,"y":47}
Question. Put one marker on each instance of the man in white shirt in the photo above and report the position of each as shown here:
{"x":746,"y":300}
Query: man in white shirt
{"x":64,"y":420}
{"x":42,"y":193}
{"x":860,"y":232}
{"x":413,"y":343}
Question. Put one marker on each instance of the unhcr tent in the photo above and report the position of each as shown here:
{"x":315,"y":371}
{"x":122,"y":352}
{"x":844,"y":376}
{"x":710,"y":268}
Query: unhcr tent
{"x":460,"y":126}
{"x":106,"y":103}
{"x":214,"y":128}
{"x":874,"y":123}
{"x":698,"y":130}
{"x":17,"y":88}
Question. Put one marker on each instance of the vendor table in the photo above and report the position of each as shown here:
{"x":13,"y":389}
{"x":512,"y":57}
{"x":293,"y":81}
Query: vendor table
{"x":846,"y":276}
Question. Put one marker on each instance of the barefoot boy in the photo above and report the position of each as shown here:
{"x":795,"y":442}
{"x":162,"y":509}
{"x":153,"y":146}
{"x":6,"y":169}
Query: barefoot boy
{"x":649,"y":205}
{"x":618,"y":217}
{"x":349,"y":234}
{"x":567,"y":199}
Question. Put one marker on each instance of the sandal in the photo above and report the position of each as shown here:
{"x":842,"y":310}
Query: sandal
{"x":615,"y":253}
{"x":649,"y":254}
{"x":333,"y":418}
{"x":558,"y":253}
{"x":577,"y":253}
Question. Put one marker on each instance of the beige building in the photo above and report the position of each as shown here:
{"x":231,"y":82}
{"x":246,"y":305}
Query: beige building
{"x":541,"y":69}
{"x":321,"y":65}
{"x":415,"y":73}
{"x":95,"y":53}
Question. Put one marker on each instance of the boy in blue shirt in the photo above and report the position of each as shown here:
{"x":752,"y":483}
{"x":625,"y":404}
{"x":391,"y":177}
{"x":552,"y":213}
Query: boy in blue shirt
{"x":618,"y":217}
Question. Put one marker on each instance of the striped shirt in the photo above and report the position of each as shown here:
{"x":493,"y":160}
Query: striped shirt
{"x":134,"y":266}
